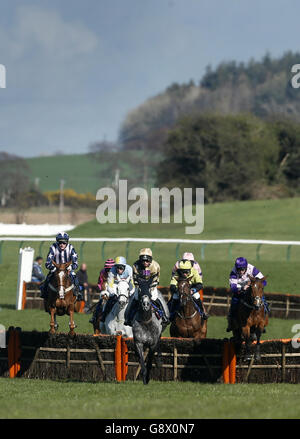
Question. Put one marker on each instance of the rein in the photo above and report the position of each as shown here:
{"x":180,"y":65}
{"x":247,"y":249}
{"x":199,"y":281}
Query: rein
{"x":187,"y":317}
{"x":248,"y":305}
{"x":56,"y":291}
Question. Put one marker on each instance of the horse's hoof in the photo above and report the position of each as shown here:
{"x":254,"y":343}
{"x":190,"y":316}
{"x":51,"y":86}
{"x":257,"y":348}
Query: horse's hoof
{"x":257,"y":357}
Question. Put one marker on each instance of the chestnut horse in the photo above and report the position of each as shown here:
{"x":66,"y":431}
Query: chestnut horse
{"x":60,"y":298}
{"x":251,"y":318}
{"x":188,"y":322}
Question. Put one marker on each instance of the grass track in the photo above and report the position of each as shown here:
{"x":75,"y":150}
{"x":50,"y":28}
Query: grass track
{"x":132,"y":400}
{"x":275,"y":219}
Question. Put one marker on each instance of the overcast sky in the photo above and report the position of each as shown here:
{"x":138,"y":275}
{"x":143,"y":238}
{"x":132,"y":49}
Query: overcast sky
{"x":74,"y":68}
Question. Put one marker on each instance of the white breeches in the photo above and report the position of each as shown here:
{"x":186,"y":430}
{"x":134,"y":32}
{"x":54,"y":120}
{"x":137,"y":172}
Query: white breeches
{"x":154,"y":293}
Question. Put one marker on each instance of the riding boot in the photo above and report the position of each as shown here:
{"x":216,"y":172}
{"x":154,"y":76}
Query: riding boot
{"x":108,"y":307}
{"x":96,"y":312}
{"x":199,"y":303}
{"x":266,"y":305}
{"x":231,"y":314}
{"x":130,"y":312}
{"x":161,"y":311}
{"x":173,"y":305}
{"x":44,"y":286}
{"x":77,"y":288}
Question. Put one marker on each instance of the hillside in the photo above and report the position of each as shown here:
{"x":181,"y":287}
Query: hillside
{"x":78,"y":171}
{"x":261,"y":87}
{"x":89,"y":172}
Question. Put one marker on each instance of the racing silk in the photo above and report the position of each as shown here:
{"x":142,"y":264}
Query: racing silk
{"x":195,"y":280}
{"x":140,"y":272}
{"x":102,"y":279}
{"x":196,"y":266}
{"x":61,"y":256}
{"x":114,"y":278}
{"x":238,"y":282}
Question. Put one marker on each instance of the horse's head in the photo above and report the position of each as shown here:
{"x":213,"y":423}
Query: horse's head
{"x":61,"y":278}
{"x":184,"y":291}
{"x":257,"y":290}
{"x":123,"y":293}
{"x":144,"y":286}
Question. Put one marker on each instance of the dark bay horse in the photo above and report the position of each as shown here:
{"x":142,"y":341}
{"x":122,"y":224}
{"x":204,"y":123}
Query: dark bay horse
{"x":99,"y":327}
{"x":60,"y":298}
{"x":146,"y":328}
{"x":188,"y":322}
{"x":251,"y":318}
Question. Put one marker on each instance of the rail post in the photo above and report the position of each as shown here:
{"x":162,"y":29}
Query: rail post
{"x":257,"y":252}
{"x":118,"y":358}
{"x":1,"y":257}
{"x":102,"y":250}
{"x":225,"y":362}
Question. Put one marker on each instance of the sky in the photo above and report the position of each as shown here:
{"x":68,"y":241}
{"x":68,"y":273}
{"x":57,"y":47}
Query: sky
{"x":74,"y":68}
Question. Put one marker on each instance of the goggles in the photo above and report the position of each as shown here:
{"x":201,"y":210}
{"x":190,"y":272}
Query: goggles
{"x":120,"y":267}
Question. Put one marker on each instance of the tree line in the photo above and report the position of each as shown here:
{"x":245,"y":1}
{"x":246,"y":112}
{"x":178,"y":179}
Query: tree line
{"x":234,"y":157}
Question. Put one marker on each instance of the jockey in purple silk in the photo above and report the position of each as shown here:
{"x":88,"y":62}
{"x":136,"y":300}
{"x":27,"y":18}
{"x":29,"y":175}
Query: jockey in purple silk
{"x":239,"y":282}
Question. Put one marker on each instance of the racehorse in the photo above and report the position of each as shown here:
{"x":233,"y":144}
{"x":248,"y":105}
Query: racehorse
{"x":60,"y":299}
{"x":99,"y":327}
{"x":188,"y":322}
{"x":114,"y":322}
{"x":146,"y":328}
{"x":251,"y":318}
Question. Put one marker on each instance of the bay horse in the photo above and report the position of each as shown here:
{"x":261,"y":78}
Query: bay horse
{"x":146,"y":328}
{"x":188,"y":322}
{"x":114,"y":322}
{"x":60,"y":298}
{"x":251,"y":318}
{"x":99,"y":327}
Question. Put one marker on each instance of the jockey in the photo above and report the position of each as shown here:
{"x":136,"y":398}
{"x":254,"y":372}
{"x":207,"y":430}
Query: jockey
{"x":186,"y":271}
{"x":102,"y":285}
{"x":62,"y":252}
{"x":120,"y":271}
{"x":239,"y":281}
{"x":144,"y":268}
{"x":187,"y":257}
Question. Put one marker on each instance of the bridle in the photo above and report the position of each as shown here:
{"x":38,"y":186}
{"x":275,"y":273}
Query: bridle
{"x":61,"y":290}
{"x":256,"y":300}
{"x":188,"y":297}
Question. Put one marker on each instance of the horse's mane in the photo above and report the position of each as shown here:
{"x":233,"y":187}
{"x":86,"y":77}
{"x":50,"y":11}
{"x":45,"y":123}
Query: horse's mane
{"x":144,"y":285}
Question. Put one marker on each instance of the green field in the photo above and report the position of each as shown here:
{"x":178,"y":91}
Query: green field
{"x":273,"y":219}
{"x":133,"y":400}
{"x":83,"y":173}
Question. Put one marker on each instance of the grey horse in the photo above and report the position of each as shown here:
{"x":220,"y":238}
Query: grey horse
{"x":146,"y":328}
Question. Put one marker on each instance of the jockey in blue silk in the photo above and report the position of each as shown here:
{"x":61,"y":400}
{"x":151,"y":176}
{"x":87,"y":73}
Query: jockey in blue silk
{"x":239,"y":281}
{"x":62,"y":252}
{"x":120,"y":271}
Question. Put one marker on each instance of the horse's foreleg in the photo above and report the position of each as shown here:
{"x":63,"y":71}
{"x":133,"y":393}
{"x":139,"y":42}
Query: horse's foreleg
{"x":72,"y":323}
{"x":246,"y":336}
{"x":52,"y":321}
{"x":140,"y":352}
{"x":149,"y":365}
{"x":258,"y":333}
